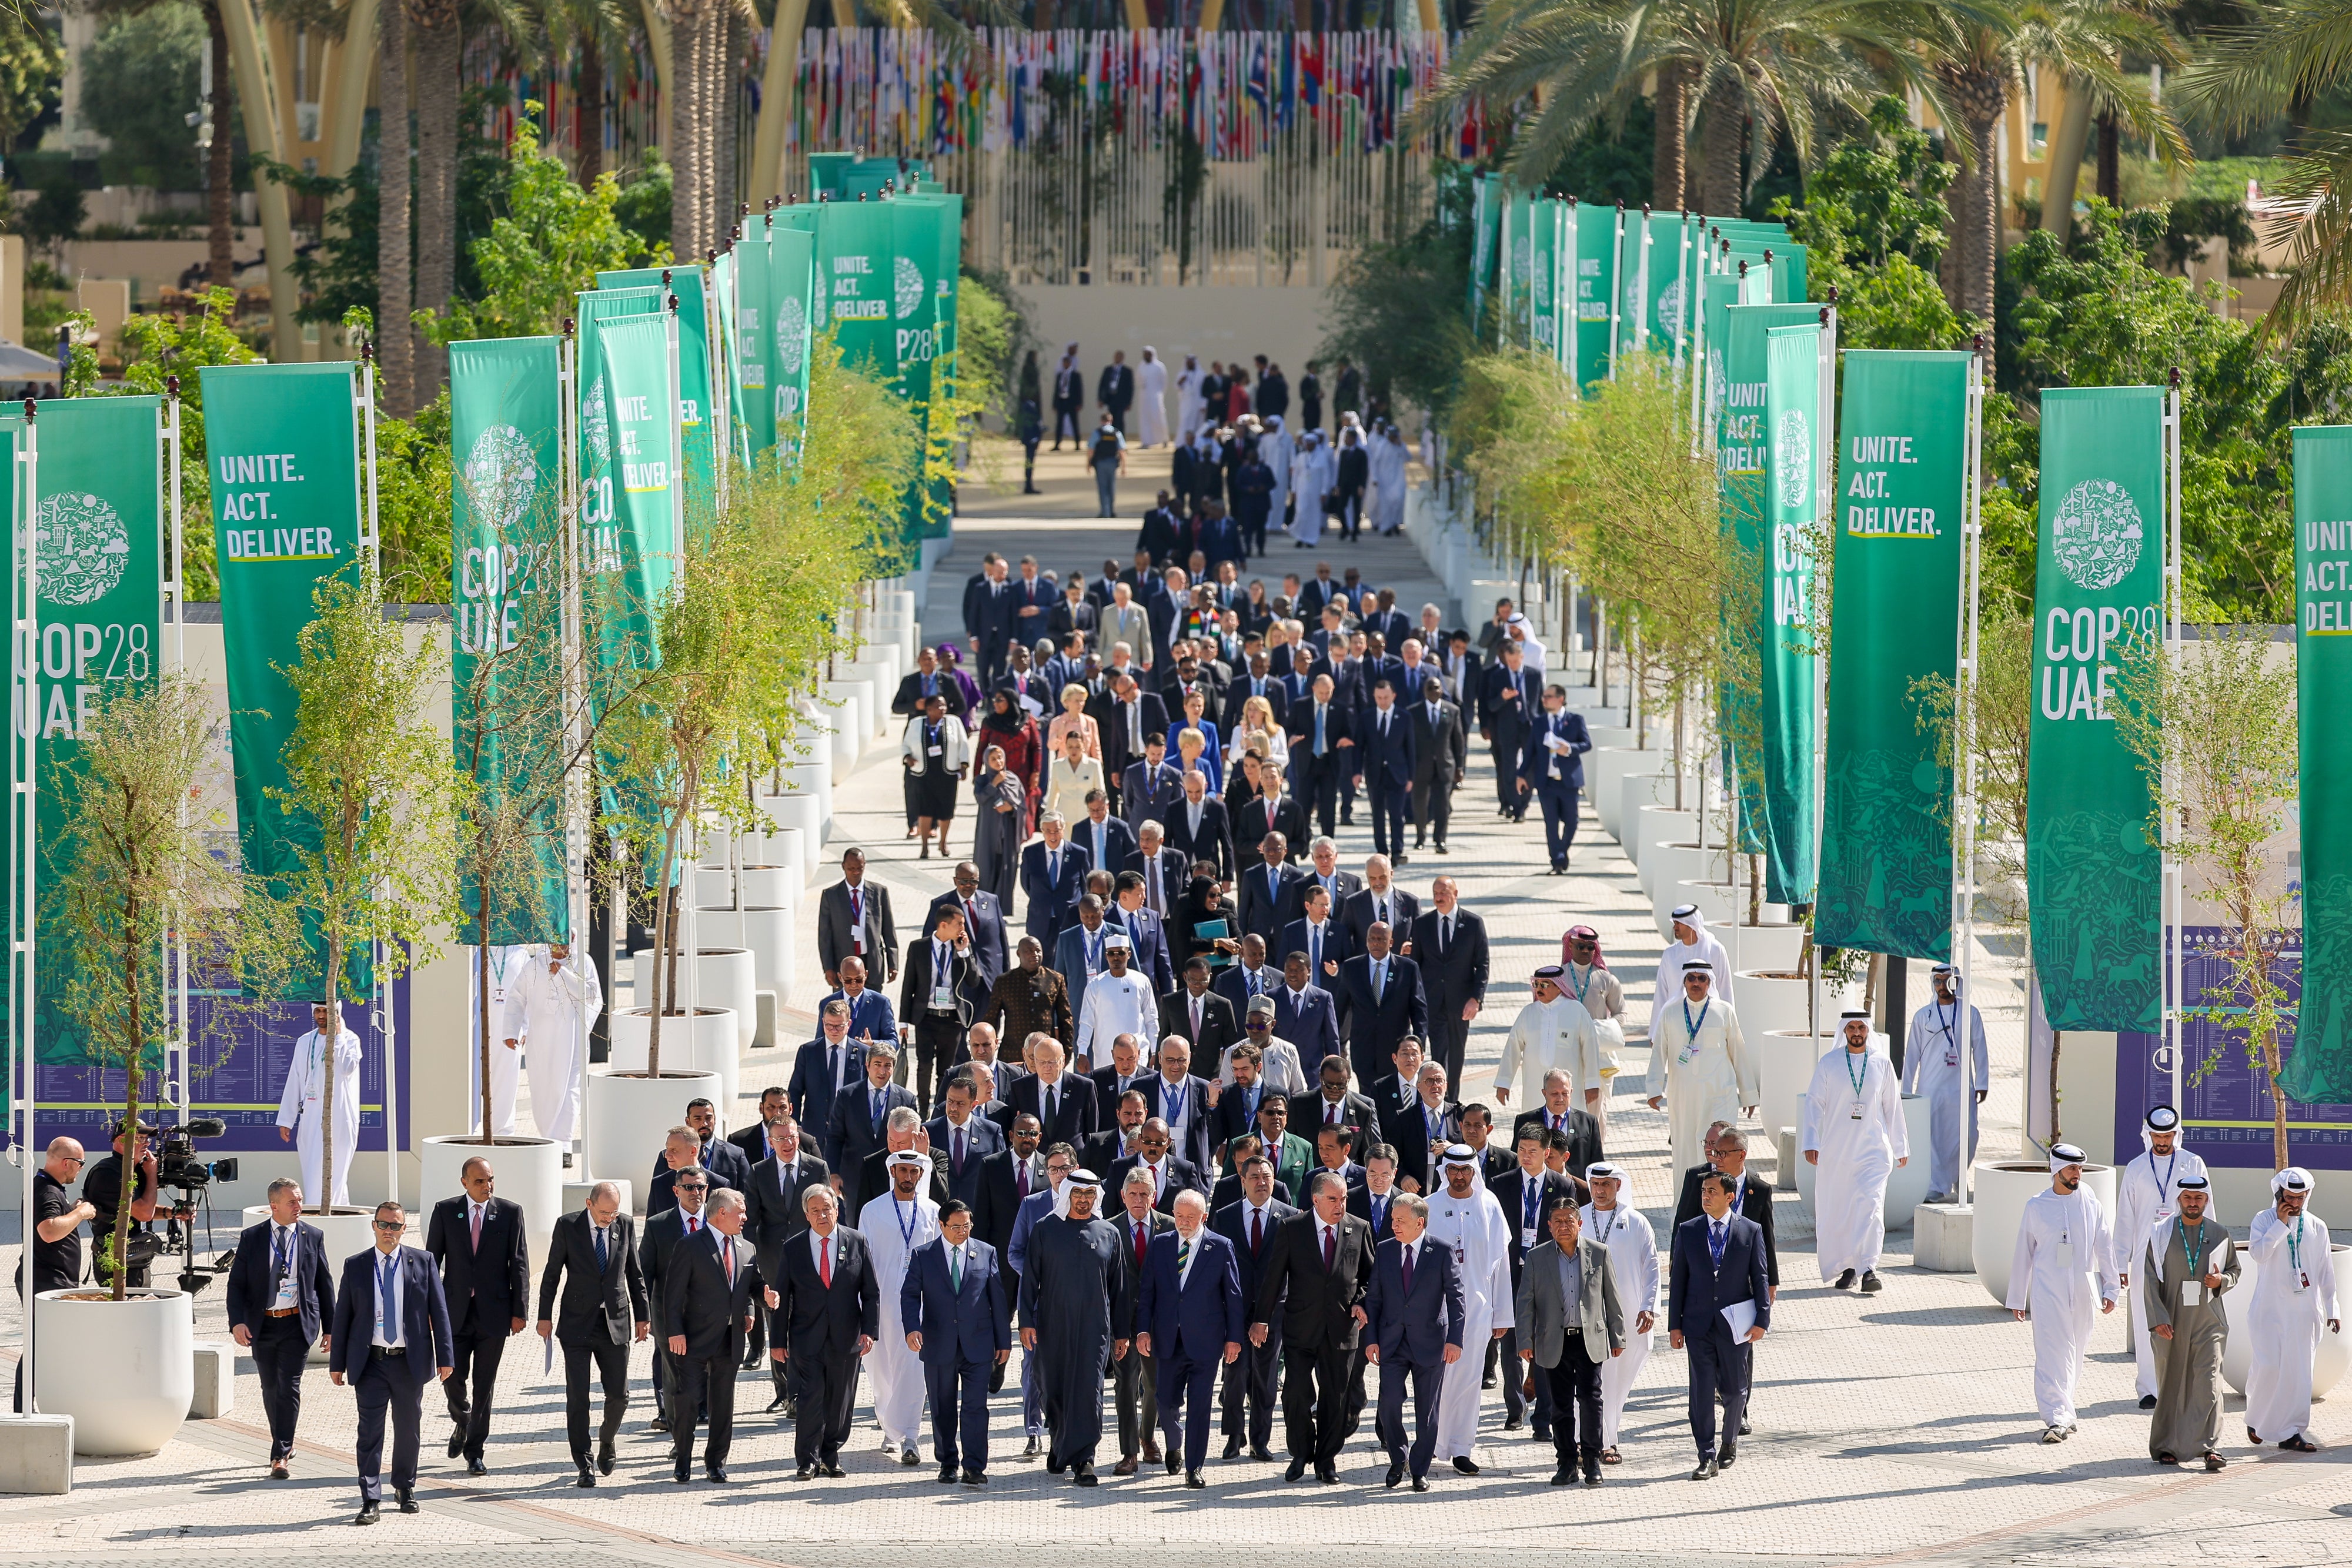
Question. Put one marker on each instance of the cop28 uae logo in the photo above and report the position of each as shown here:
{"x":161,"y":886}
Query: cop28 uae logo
{"x":501,"y":476}
{"x":1792,"y":448}
{"x":2097,"y":535}
{"x":596,"y":418}
{"x":906,"y":284}
{"x":1670,"y":307}
{"x":792,"y":338}
{"x":83,"y":549}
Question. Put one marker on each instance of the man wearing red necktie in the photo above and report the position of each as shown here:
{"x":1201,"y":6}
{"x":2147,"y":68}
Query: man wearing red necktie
{"x":1137,"y":1375}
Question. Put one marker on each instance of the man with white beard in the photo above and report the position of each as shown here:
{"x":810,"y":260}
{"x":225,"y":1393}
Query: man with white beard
{"x":2063,"y":1262}
{"x":1945,"y":1059}
{"x":1701,"y":1069}
{"x":1632,"y":1247}
{"x":894,"y":1225}
{"x":552,"y":1000}
{"x":1853,"y":1137}
{"x":2293,"y":1300}
{"x":2147,"y":1195}
{"x":1551,"y":1032}
{"x":1464,"y":1216}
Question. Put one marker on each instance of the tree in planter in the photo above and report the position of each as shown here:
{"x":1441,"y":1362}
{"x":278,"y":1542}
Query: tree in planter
{"x":135,"y":878}
{"x":2212,"y":723}
{"x":370,"y":800}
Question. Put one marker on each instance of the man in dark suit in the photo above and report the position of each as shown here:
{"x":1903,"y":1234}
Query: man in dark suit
{"x":853,"y":917}
{"x":1127,"y":1072}
{"x":1375,"y":1202}
{"x":1115,"y":388}
{"x":1317,"y":1271}
{"x":824,"y":1066}
{"x":476,"y":1239}
{"x":1053,"y":879}
{"x":962,"y":1139}
{"x":280,"y":1296}
{"x":927,"y":680}
{"x":1169,"y":1173}
{"x":391,"y":1337}
{"x":714,"y":1154}
{"x":1726,"y":1151}
{"x":822,"y":1284}
{"x":1717,"y":1262}
{"x":1332,"y":1103}
{"x":1449,"y":943}
{"x":771,"y":1215}
{"x":1250,"y":1223}
{"x":1263,"y":892}
{"x":942,"y":996}
{"x":1007,"y":1178}
{"x":858,"y":1118}
{"x":1190,"y":1322}
{"x":592,"y":1259}
{"x":1379,"y":990}
{"x":1380,"y":899}
{"x":1441,"y":753}
{"x":1323,"y":870}
{"x":1510,"y":702}
{"x":1147,"y":932}
{"x":1386,"y":757}
{"x":1583,"y":1133}
{"x":1117,"y":1139}
{"x":959,"y":1322}
{"x":1554,"y":770}
{"x":751,"y":1141}
{"x":1032,"y":594}
{"x":1063,"y":1102}
{"x":1257,"y":681}
{"x":1203,"y":1020}
{"x":1109,"y":841}
{"x":983,"y":924}
{"x":1413,"y":1331}
{"x":1198,"y":828}
{"x":1322,"y":748}
{"x":1150,"y":784}
{"x":1135,"y":1376}
{"x":1392,"y":1093}
{"x":1431,"y":1119}
{"x":1526,"y":1196}
{"x":988,"y":618}
{"x":706,"y":1313}
{"x":871,"y":1018}
{"x":1386,"y":621}
{"x":1273,"y":810}
{"x":1304,"y":1012}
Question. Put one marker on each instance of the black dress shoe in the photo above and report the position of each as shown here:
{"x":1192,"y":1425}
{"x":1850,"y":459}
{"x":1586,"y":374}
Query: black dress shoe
{"x":1082,"y":1474}
{"x":456,"y":1442}
{"x":975,"y":1478}
{"x":1563,"y":1477}
{"x":475,"y":1468}
{"x":1745,"y":1429}
{"x":1845,"y":1281}
{"x":1421,"y":1483}
{"x":1464,"y":1467}
{"x":716,"y":1473}
{"x":1232,"y":1447}
{"x":831,"y":1470}
{"x":681,"y":1475}
{"x":1396,"y":1474}
{"x":1030,"y":1449}
{"x":1487,"y":1381}
{"x":1175,"y":1462}
{"x":948,"y":1474}
{"x":1513,"y":1423}
{"x":1297,"y":1469}
{"x":367,"y":1513}
{"x":1327,"y":1474}
{"x":587,"y":1476}
{"x":604,"y":1458}
{"x":1705,"y":1471}
{"x":1195,"y":1479}
{"x":1592,"y":1476}
{"x":407,"y":1503}
{"x":1870,"y":1283}
{"x":1263,"y":1456}
{"x":806,"y":1472}
{"x":2148,"y":1401}
{"x":1725,"y":1456}
{"x":779,"y":1402}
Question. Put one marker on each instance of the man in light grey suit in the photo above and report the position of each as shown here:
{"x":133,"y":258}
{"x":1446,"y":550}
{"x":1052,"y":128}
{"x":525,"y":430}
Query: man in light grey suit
{"x":1567,"y":1332}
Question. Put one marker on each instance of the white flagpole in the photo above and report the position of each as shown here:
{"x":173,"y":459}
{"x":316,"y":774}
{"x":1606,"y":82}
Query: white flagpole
{"x":2172,"y":644}
{"x":27,"y":803}
{"x":1964,"y":760}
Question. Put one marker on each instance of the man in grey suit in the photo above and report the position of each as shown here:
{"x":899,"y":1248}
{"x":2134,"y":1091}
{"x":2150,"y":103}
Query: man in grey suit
{"x":1567,"y":1332}
{"x":1417,"y":1318}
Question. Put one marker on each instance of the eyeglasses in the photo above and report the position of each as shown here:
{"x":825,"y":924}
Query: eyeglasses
{"x":698,"y":1186}
{"x":391,"y":1225}
{"x":75,"y":1159}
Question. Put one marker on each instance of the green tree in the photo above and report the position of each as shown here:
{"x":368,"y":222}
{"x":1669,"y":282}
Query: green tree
{"x":32,"y":74}
{"x":139,"y":81}
{"x":1393,"y":309}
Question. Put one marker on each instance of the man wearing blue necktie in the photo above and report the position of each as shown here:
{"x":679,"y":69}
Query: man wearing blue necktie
{"x":391,"y":1338}
{"x":1553,"y":769}
{"x":1718,"y":1304}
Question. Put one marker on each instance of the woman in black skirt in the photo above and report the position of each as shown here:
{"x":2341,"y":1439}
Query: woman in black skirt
{"x":936,"y":752}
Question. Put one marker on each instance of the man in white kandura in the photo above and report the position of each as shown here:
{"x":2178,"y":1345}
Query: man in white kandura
{"x":2293,"y":1304}
{"x":2064,"y":1263}
{"x":1632,"y":1247}
{"x":1119,"y":1001}
{"x":1463,"y":1216}
{"x":1701,"y":1069}
{"x":1943,"y":1058}
{"x":299,"y":1117}
{"x":2146,"y":1196}
{"x":553,"y":1001}
{"x":894,"y":1225}
{"x":1853,"y":1137}
{"x":1553,"y":1031}
{"x":1693,"y":942}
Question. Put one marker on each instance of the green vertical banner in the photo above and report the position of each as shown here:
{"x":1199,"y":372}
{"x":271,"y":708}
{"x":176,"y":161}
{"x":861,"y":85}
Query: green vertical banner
{"x":1901,"y":514}
{"x":917,"y":250}
{"x":696,"y":378}
{"x":629,"y":503}
{"x":2091,"y":873}
{"x":2319,"y":1070}
{"x":937,"y":343}
{"x":727,"y":350}
{"x":1795,"y":494}
{"x":1595,"y":253}
{"x":506,"y":597}
{"x":856,"y":283}
{"x":794,"y":300}
{"x":1516,"y":269}
{"x":1484,"y":226}
{"x":755,"y":337}
{"x":98,"y":542}
{"x":1550,"y":256}
{"x":282,"y":444}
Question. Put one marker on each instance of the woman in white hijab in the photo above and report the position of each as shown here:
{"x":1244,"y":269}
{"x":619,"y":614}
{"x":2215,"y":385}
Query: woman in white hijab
{"x":1275,"y":449}
{"x":1310,"y":478}
{"x":1188,"y":394}
{"x":1388,"y":479}
{"x":1151,"y":397}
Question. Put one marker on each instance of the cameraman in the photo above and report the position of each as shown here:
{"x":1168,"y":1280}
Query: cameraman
{"x":101,"y":1190}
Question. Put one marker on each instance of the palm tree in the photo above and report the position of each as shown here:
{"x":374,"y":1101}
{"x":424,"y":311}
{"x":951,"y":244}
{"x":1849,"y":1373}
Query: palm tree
{"x":688,"y":133}
{"x":440,"y":53}
{"x":396,"y":340}
{"x":219,"y":195}
{"x":599,"y":35}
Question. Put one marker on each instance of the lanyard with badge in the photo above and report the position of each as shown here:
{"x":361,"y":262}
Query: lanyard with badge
{"x":1857,"y":1080}
{"x":1951,"y":1038}
{"x":2192,"y":1291}
{"x":1692,"y":1026}
{"x":2163,"y":1183}
{"x":2302,"y":1281}
{"x":906,"y":1226}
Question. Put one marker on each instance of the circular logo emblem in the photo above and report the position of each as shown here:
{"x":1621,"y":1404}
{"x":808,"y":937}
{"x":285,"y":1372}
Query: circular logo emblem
{"x":792,"y":338}
{"x":1670,"y":307}
{"x":501,"y":476}
{"x":1542,"y":275}
{"x":83,"y":549}
{"x":596,"y":419}
{"x":2098,"y":534}
{"x":1715,"y":393}
{"x":907,"y":283}
{"x":1793,"y":450}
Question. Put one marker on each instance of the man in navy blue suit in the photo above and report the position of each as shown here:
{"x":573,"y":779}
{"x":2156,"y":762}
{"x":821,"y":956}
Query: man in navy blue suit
{"x":1191,"y":1321}
{"x":1053,"y":879}
{"x":1321,"y":939}
{"x":1379,"y":990}
{"x":1414,"y":1334}
{"x":1249,"y":1224}
{"x":1304,"y":1013}
{"x":1385,"y":761}
{"x":1264,"y":889}
{"x":280,"y":1296}
{"x":1554,"y":770}
{"x":870,"y":1015}
{"x":1718,"y":1304}
{"x":391,"y":1338}
{"x":1510,"y":701}
{"x":1108,"y":840}
{"x":983,"y":923}
{"x":824,"y":1066}
{"x":961,"y":1138}
{"x":858,"y":1118}
{"x":959,"y":1322}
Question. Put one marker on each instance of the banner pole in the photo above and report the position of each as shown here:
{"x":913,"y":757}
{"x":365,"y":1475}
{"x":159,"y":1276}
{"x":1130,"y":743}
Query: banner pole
{"x":173,"y":660}
{"x":27,"y":804}
{"x":387,"y":1022}
{"x":574,"y":699}
{"x":1964,"y":711}
{"x":2176,"y":936}
{"x":1617,"y":286}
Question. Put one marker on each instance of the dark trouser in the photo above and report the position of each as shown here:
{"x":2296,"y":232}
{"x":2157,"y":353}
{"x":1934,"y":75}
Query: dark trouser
{"x":612,"y":1363}
{"x":1136,"y":1377}
{"x":1515,"y":1377}
{"x":1449,"y":1037}
{"x":907,"y":787}
{"x":1560,"y":818}
{"x":1253,"y":533}
{"x":1119,"y":418}
{"x":1575,"y":1387}
{"x":279,"y":1353}
{"x":1432,"y":805}
{"x":384,"y":1383}
{"x":710,"y":1380}
{"x":959,"y":1391}
{"x":1351,"y":510}
{"x":1067,"y":419}
{"x":825,"y":1393}
{"x":1249,"y":1386}
{"x":935,"y":1037}
{"x":1505,"y":751}
{"x":1388,"y":803}
{"x":1184,"y":1386}
{"x":1028,"y":471}
{"x":1354,"y":1418}
{"x":1718,"y":1369}
{"x":470,"y":1399}
{"x":1426,"y":1381}
{"x":1314,"y":1401}
{"x":992,"y":645}
{"x":1323,"y":783}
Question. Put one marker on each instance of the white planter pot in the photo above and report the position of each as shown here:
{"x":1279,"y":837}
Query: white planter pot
{"x":787,"y":851}
{"x":766,"y":935}
{"x":629,"y":1116}
{"x":724,"y":977}
{"x":530,"y":1172}
{"x":1775,"y":944}
{"x":1662,"y":842}
{"x":1770,"y":1000}
{"x":1603,"y":767}
{"x":2000,"y":1190}
{"x":801,"y":813}
{"x":1636,"y":791}
{"x":1784,"y":1067}
{"x":1715,"y":900}
{"x":2329,"y":1358}
{"x":882,"y":676}
{"x":848,"y":706}
{"x":1906,"y":1188}
{"x":763,"y":886}
{"x":712,"y":1046}
{"x":1613,"y":734}
{"x":125,"y":1371}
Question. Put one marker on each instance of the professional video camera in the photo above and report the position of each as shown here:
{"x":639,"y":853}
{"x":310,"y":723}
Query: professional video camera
{"x":175,"y":1157}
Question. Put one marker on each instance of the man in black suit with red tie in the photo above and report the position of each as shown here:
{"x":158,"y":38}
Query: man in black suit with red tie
{"x":1318,"y":1268}
{"x":1250,"y":1223}
{"x":823,"y":1287}
{"x":476,"y":1239}
{"x":706,"y":1312}
{"x":1201,"y":1019}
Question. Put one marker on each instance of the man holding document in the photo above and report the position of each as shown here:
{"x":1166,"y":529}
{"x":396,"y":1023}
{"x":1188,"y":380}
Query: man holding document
{"x":1553,"y":769}
{"x":1719,"y":1304}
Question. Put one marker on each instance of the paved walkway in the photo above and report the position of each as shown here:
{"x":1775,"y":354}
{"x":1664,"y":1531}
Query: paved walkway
{"x":1897,"y":1428}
